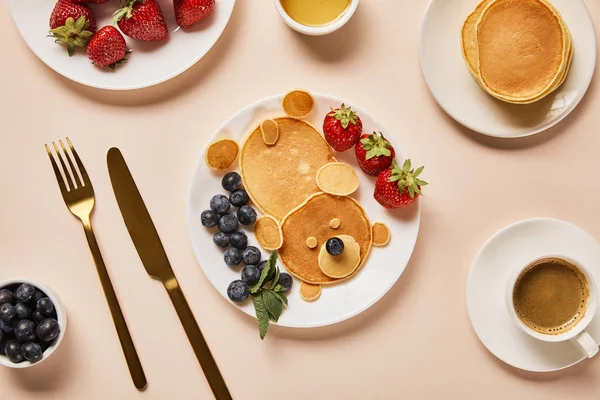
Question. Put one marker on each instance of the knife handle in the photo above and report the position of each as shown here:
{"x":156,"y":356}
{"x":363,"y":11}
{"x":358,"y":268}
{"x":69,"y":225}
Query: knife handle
{"x":131,"y":356}
{"x":203,"y":354}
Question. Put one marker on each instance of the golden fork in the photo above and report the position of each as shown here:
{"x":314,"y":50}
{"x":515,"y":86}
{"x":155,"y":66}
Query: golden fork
{"x":78,"y":194}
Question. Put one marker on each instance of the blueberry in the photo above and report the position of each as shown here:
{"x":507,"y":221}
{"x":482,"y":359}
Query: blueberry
{"x":251,"y":255}
{"x":231,"y":181}
{"x":36,"y":297}
{"x":32,"y":352}
{"x":238,"y":291}
{"x":23,"y":312}
{"x":48,"y":330}
{"x":25,"y":330}
{"x":45,"y":306}
{"x":335,"y":246}
{"x":24,"y":293}
{"x":250,"y":275}
{"x":6,"y":327}
{"x":246,"y":215}
{"x":239,"y":240}
{"x":232,"y":257}
{"x":13,"y":351}
{"x":221,"y":239}
{"x":37,"y":317}
{"x":7,"y":312}
{"x":239,"y":198}
{"x":209,"y":218}
{"x":228,"y":223}
{"x":261,"y":265}
{"x":220,"y":204}
{"x":286,"y":281}
{"x":6,"y":296}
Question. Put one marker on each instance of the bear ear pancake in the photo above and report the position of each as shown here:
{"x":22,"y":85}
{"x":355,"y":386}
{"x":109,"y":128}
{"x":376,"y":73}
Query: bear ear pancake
{"x":298,"y":103}
{"x":337,"y":178}
{"x":270,"y":131}
{"x":268,"y":233}
{"x":381,"y":234}
{"x":310,"y":292}
{"x":221,"y":154}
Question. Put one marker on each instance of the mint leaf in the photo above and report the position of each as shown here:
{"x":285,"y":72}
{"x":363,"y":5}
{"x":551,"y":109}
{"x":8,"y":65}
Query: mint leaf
{"x":273,"y":305}
{"x":281,"y":296}
{"x":265,"y":272}
{"x":262,"y":315}
{"x":278,"y":289}
{"x":276,"y":278}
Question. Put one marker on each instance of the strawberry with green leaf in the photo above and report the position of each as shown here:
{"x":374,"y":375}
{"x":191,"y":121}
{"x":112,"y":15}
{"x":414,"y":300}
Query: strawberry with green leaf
{"x":342,"y":128}
{"x":374,"y":153}
{"x":398,"y":187}
{"x":72,"y":24}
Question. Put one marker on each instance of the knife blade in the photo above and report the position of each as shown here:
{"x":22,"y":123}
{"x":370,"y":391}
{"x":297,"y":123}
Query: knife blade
{"x":152,"y":253}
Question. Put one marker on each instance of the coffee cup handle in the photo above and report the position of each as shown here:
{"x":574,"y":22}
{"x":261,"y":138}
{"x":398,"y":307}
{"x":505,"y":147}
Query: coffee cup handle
{"x":586,"y":343}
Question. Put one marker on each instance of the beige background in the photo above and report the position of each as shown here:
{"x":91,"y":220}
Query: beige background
{"x":416,"y":343}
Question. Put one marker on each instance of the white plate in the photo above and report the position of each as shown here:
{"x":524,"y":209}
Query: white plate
{"x":507,"y":250}
{"x":338,"y":302}
{"x":149,"y":63}
{"x":455,"y":90}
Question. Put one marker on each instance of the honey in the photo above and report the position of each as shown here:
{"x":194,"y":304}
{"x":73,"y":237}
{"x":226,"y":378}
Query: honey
{"x":315,"y":12}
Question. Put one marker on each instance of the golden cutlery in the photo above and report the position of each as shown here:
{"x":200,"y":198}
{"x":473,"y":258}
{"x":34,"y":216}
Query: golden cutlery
{"x":78,"y":195}
{"x":150,"y":249}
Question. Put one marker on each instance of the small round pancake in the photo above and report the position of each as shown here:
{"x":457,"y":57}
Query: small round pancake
{"x":312,"y":242}
{"x":220,"y":155}
{"x":278,"y":178}
{"x":337,"y":178}
{"x":312,"y":219}
{"x":381,"y":234}
{"x":269,"y":131}
{"x":343,"y":265}
{"x":268,"y":233}
{"x":522,"y":49}
{"x":310,"y":292}
{"x":298,"y":103}
{"x":335,"y":223}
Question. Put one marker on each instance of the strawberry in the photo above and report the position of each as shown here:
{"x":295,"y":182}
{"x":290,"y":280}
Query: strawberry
{"x":72,"y":24}
{"x":374,"y":153}
{"x":398,"y":187}
{"x":107,"y":47}
{"x":342,"y":128}
{"x":188,"y":12}
{"x":142,"y":20}
{"x":89,"y":1}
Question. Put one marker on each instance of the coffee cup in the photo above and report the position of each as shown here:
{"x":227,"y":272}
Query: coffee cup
{"x":553,"y":298}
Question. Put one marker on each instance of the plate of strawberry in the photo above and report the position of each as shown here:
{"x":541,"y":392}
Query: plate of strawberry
{"x":120,"y":44}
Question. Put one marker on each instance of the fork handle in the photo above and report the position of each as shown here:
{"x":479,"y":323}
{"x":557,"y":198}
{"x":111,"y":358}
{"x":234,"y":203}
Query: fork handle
{"x":196,"y":339}
{"x":131,"y":356}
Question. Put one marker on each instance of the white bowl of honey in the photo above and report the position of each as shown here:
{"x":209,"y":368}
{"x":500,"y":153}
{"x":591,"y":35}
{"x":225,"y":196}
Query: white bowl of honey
{"x":316,"y":17}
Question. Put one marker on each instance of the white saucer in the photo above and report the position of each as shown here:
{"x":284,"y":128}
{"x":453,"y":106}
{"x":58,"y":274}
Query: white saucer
{"x":511,"y":248}
{"x":455,"y":90}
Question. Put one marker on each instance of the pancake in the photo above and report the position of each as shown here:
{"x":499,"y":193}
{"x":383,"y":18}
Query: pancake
{"x":221,"y":154}
{"x":469,"y":39}
{"x":522,"y":49}
{"x":268,"y":232}
{"x":337,"y":178}
{"x":280,"y":177}
{"x":311,"y":219}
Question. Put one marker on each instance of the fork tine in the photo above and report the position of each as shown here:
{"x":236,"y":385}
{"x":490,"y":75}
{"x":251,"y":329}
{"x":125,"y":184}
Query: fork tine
{"x":64,"y":167}
{"x":59,"y":178}
{"x":84,"y":175}
{"x":73,"y":170}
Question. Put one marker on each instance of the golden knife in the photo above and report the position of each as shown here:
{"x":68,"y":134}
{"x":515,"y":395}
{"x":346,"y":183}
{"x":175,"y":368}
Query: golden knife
{"x":153,"y":256}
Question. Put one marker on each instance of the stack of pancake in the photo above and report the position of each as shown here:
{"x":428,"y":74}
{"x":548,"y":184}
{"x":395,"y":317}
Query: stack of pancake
{"x":519,"y":51}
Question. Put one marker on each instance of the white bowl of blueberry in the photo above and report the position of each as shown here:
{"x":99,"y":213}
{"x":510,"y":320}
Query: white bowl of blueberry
{"x":32,"y":323}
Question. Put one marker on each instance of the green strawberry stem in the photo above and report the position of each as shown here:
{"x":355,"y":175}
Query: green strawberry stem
{"x":407,"y":178}
{"x":345,"y":115}
{"x":73,"y":34}
{"x":376,"y":145}
{"x":125,"y":11}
